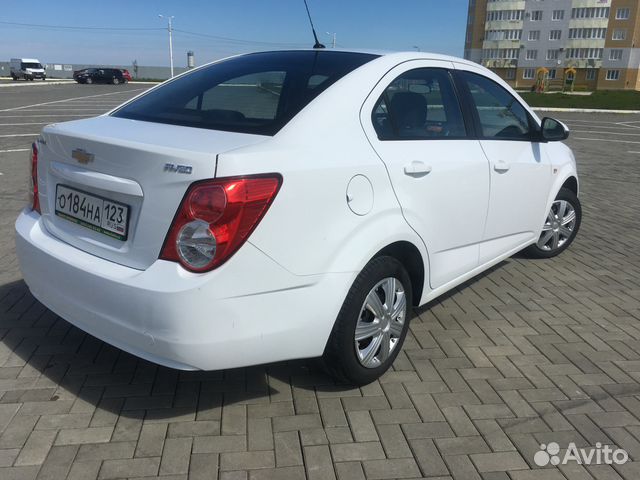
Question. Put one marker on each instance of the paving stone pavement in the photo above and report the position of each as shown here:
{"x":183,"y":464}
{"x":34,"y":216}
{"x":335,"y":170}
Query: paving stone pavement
{"x":529,"y":353}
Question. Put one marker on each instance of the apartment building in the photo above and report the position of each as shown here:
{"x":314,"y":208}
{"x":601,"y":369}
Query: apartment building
{"x":593,"y":44}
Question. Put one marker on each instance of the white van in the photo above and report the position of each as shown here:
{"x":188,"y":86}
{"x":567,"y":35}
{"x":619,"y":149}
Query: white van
{"x":27,"y":68}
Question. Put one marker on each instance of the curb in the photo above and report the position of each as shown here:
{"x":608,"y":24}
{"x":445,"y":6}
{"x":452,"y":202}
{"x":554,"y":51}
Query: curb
{"x":34,"y":84}
{"x":583,"y":110}
{"x":59,"y":82}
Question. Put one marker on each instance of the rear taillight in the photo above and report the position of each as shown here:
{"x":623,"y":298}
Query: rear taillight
{"x":34,"y":200}
{"x":215,"y":218}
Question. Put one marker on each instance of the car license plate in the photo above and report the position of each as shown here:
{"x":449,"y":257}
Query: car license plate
{"x":94,"y":212}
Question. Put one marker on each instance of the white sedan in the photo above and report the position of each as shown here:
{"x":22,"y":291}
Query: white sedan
{"x":290,"y":204}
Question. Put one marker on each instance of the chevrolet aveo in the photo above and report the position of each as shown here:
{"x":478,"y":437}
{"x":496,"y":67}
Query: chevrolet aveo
{"x":291,"y":204}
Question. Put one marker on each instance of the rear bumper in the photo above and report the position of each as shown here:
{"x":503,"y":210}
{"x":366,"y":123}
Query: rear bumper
{"x":249,"y":311}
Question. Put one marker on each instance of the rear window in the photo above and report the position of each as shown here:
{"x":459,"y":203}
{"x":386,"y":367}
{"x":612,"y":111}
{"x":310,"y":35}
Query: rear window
{"x":257,"y":93}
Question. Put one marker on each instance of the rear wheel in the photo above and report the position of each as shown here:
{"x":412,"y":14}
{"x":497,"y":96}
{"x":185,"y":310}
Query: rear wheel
{"x":115,"y":81}
{"x":372,"y":323}
{"x":89,"y":81}
{"x":560,"y":227}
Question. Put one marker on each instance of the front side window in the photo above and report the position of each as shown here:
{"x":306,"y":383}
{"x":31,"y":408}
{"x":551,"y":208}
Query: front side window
{"x":500,"y":114}
{"x":420,"y":104}
{"x":257,"y":93}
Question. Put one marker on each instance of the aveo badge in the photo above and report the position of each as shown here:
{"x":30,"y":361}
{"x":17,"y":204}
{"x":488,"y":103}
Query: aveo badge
{"x":173,"y":168}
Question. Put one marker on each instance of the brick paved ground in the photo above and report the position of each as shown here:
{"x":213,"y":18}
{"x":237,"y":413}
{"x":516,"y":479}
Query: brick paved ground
{"x":532,"y":352}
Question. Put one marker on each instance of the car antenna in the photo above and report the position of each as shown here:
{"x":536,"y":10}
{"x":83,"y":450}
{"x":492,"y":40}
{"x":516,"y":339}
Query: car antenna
{"x":315,"y":36}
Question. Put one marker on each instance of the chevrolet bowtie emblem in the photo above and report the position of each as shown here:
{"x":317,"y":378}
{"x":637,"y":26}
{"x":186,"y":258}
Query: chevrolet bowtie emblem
{"x":82,"y":156}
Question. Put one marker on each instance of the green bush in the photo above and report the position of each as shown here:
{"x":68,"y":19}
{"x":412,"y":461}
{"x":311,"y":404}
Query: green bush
{"x":601,"y":99}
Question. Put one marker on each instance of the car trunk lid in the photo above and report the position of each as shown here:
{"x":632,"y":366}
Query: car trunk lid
{"x":113,"y":163}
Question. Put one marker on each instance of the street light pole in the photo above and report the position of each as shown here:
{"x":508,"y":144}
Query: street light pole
{"x":170,"y":29}
{"x":333,"y":39}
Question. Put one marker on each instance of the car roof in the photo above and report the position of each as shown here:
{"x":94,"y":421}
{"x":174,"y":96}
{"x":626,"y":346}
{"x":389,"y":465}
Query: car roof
{"x":391,"y":54}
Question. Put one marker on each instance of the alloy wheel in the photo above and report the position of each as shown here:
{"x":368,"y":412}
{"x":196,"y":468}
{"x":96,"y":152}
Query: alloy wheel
{"x":559,"y":226}
{"x":380,"y":322}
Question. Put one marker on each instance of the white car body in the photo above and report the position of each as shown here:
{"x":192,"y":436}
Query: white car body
{"x":344,"y":197}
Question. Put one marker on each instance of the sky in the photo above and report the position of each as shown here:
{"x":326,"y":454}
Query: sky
{"x":131,"y":30}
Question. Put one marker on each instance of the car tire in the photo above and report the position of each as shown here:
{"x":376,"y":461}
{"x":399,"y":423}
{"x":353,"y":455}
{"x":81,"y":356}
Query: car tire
{"x":360,"y":357}
{"x":88,"y":81}
{"x":560,"y":228}
{"x":14,"y":78}
{"x":115,"y":81}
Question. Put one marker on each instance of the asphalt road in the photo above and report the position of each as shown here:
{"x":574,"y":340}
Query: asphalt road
{"x":531,"y":352}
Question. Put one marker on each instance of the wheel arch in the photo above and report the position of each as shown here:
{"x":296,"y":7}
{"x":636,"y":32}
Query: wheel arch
{"x":411,"y":258}
{"x":571,"y":183}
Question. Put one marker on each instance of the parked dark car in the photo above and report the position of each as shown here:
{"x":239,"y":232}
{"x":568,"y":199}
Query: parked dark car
{"x":99,"y":75}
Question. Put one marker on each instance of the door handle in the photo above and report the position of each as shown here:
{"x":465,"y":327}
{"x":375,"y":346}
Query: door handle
{"x":417,"y":169}
{"x":501,"y":166}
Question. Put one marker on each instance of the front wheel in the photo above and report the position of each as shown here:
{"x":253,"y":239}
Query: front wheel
{"x":560,"y":227}
{"x":372,"y":323}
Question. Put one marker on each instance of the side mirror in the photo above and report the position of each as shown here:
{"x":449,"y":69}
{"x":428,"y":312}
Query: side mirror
{"x":553,"y":130}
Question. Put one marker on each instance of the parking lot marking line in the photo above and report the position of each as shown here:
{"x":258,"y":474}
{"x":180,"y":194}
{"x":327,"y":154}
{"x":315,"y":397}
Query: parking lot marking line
{"x":15,"y":150}
{"x":569,"y":120}
{"x":61,"y":115}
{"x":53,"y":109}
{"x":608,"y":127}
{"x":633,"y":152}
{"x":20,"y":135}
{"x":65,"y":107}
{"x":608,"y":133}
{"x":606,"y":140}
{"x":15,"y":124}
{"x":12,"y":109}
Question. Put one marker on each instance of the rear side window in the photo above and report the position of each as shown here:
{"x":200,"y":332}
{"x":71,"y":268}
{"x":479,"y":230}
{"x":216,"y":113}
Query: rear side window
{"x":257,"y":93}
{"x":420,"y":104}
{"x":501,"y":115}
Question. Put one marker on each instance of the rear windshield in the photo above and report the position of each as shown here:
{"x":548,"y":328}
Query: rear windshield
{"x":257,"y":93}
{"x":30,"y":65}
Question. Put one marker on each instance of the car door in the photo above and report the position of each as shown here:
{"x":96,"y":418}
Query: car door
{"x":437,"y":169}
{"x":520,"y":173}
